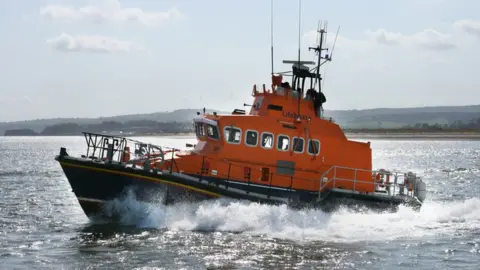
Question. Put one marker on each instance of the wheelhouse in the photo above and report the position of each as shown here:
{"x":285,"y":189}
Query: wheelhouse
{"x":211,"y":130}
{"x":206,"y":128}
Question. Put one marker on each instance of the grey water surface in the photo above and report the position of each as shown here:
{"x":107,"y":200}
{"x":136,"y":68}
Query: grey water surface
{"x":42,"y":225}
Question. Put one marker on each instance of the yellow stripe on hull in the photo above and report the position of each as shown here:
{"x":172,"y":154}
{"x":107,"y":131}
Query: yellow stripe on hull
{"x":66,"y":164}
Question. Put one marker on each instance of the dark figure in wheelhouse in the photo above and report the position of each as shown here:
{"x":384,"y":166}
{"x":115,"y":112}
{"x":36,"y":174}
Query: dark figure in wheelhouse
{"x":318,"y":99}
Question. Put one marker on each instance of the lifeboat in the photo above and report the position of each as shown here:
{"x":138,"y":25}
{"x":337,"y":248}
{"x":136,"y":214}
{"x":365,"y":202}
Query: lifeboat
{"x":282,"y":151}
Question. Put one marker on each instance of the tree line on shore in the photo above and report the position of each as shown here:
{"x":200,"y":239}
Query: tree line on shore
{"x":133,"y":127}
{"x":472,"y":124}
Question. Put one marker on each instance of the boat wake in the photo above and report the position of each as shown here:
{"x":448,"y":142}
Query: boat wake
{"x":344,"y":225}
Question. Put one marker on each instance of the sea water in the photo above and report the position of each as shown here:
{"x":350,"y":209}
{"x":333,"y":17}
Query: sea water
{"x":43,"y":227}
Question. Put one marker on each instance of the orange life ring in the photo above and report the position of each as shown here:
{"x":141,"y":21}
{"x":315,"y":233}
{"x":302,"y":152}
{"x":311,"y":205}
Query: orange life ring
{"x":126,"y":154}
{"x":379,"y":178}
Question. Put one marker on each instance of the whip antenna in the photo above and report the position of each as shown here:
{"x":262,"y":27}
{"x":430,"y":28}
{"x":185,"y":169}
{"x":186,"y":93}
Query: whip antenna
{"x":334,"y":42}
{"x":330,"y":57}
{"x":271,"y":32}
{"x":299,"y":23}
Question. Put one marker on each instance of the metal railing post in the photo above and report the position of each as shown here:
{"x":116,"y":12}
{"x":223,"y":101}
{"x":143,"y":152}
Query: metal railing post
{"x":201,"y":171}
{"x":395,"y":183}
{"x":334,"y":177}
{"x":228,"y":176}
{"x":171,"y":162}
{"x":270,"y":186}
{"x":354,"y":178}
{"x":248,"y":185}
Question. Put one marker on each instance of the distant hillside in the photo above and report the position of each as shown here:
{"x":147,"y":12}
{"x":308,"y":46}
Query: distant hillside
{"x":369,"y":118}
{"x":399,"y":117}
{"x":181,"y":115}
{"x":20,"y":132}
{"x":133,"y":127}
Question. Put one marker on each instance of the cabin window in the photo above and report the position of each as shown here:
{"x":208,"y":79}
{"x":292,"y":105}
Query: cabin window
{"x":297,"y":144}
{"x":199,"y":129}
{"x":267,"y":140}
{"x":251,"y":138}
{"x":283,"y":142}
{"x":313,"y":147}
{"x":233,"y":135}
{"x":212,"y":132}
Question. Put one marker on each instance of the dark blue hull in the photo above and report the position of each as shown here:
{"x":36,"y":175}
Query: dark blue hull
{"x":95,"y":183}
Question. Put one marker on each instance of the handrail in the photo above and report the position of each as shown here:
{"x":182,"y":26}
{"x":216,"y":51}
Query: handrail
{"x":234,"y":163}
{"x":112,"y":148}
{"x":396,"y":184}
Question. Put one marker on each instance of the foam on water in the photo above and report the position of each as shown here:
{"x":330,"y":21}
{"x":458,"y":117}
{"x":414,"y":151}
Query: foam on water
{"x":344,"y":225}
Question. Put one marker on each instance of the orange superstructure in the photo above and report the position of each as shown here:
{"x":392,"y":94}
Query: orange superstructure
{"x":283,"y":141}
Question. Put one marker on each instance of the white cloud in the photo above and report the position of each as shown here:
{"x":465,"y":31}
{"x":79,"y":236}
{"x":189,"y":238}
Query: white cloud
{"x":469,"y":26}
{"x":94,"y":44}
{"x":428,"y":39}
{"x":17,"y":99}
{"x":110,"y":11}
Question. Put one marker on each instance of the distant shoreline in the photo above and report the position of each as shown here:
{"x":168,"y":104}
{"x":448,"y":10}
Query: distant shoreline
{"x":379,"y":134}
{"x":183,"y":134}
{"x":414,"y":136}
{"x":390,"y":134}
{"x":444,"y":134}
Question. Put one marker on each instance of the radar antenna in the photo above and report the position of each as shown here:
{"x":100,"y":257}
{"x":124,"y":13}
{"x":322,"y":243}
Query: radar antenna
{"x":322,"y":31}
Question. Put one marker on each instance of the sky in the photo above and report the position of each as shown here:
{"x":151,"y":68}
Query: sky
{"x":85,"y":58}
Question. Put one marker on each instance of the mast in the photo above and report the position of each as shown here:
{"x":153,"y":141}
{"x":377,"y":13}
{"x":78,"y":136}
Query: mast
{"x":322,"y":31}
{"x":300,"y":71}
{"x":318,"y":49}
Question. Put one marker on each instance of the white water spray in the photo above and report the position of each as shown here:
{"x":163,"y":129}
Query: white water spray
{"x":305,"y":225}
